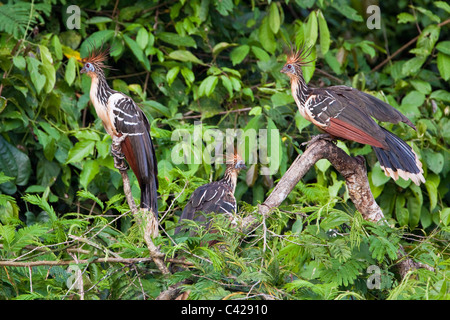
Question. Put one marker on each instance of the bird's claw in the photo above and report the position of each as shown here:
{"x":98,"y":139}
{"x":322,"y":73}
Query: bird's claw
{"x":116,"y":151}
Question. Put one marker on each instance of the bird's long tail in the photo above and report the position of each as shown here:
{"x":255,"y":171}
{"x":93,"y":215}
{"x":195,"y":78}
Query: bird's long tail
{"x":149,"y":197}
{"x":400,"y":160}
{"x":140,"y":155}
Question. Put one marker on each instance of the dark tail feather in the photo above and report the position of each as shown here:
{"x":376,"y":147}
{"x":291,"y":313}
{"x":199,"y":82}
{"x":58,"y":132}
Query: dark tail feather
{"x":400,"y":160}
{"x":140,"y":155}
{"x":149,"y":197}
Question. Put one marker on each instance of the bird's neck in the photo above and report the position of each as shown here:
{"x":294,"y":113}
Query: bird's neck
{"x":300,"y":90}
{"x":100,"y":91}
{"x":230,"y":178}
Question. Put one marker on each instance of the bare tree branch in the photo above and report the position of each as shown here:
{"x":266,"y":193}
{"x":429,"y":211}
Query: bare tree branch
{"x":354,"y":172}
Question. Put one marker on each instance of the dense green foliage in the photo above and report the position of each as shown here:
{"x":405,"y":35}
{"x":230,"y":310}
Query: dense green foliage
{"x":218,"y":61}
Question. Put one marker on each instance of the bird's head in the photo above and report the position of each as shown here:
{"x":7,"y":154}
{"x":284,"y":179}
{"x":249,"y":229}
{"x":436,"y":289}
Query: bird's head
{"x":94,"y":63}
{"x":295,"y":61}
{"x":236,"y":163}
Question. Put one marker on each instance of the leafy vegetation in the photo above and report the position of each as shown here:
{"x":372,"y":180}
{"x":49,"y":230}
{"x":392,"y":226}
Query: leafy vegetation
{"x":218,"y":62}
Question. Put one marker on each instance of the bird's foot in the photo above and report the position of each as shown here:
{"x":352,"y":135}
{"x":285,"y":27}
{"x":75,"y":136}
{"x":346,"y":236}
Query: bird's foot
{"x":120,"y":164}
{"x":116,"y":151}
{"x":322,"y":136}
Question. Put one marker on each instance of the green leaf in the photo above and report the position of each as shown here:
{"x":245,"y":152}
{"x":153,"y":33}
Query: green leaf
{"x":260,"y":53}
{"x":311,"y":30}
{"x":14,"y":163}
{"x":324,"y":33}
{"x":81,"y":150}
{"x":347,"y":11}
{"x":218,"y":48}
{"x":142,"y":38}
{"x":443,"y":5}
{"x":281,"y":99}
{"x":441,"y":95}
{"x":207,"y":86}
{"x":227,"y":84}
{"x":224,"y":6}
{"x":238,"y":54}
{"x":95,"y":40}
{"x":70,"y":74}
{"x":266,"y":36}
{"x":274,"y":18}
{"x":378,"y":176}
{"x":186,"y":56}
{"x":98,"y":19}
{"x":188,"y":75}
{"x":20,"y":62}
{"x":300,"y":122}
{"x":164,"y":170}
{"x":405,"y":17}
{"x":158,"y":107}
{"x":428,"y":38}
{"x":445,"y":216}
{"x":90,"y":169}
{"x":36,"y":77}
{"x":137,"y":51}
{"x":411,"y":103}
{"x":434,"y":160}
{"x":412,"y":66}
{"x":176,"y":39}
{"x":432,"y":184}
{"x":415,"y":206}
{"x":444,"y":47}
{"x":443,"y":63}
{"x":172,"y":74}
{"x":421,"y":86}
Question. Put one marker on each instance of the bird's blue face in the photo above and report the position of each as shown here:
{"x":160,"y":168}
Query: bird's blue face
{"x":88,"y":67}
{"x":240,"y":165}
{"x":288,"y":69}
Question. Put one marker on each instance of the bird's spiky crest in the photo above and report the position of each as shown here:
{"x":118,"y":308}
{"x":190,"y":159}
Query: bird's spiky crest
{"x":98,"y":56}
{"x":300,"y":57}
{"x":233,"y":158}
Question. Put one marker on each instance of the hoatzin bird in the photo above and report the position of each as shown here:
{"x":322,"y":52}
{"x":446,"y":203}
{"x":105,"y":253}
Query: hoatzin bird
{"x":344,"y":112}
{"x":128,"y":127}
{"x":217,"y":196}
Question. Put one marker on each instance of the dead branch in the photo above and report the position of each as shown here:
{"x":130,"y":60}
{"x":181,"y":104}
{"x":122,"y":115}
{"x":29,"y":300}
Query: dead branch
{"x":354,"y":172}
{"x":149,"y":224}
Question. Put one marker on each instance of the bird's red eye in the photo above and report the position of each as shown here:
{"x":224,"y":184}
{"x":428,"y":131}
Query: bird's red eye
{"x":289,"y":66}
{"x":88,"y":65}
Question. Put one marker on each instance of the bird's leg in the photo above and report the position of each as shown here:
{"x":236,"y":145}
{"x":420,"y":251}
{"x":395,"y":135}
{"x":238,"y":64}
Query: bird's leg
{"x":322,"y":136}
{"x":116,"y":150}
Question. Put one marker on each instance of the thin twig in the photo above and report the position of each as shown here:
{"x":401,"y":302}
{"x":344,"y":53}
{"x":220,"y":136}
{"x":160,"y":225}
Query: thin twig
{"x":410,"y":42}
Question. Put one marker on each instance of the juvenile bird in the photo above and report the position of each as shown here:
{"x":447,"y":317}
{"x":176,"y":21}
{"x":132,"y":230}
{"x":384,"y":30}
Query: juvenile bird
{"x":344,"y":112}
{"x":129,"y":128}
{"x":217,"y":196}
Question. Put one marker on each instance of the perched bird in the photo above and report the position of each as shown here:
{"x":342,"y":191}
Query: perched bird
{"x":129,"y":128}
{"x":217,"y":196}
{"x":344,"y":112}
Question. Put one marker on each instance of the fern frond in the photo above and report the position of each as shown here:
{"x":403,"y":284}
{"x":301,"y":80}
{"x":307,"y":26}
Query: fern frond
{"x":87,"y":195}
{"x":14,"y":19}
{"x":42,"y":203}
{"x":26,"y":236}
{"x":342,"y":274}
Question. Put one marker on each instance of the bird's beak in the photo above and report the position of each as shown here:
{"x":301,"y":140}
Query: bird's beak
{"x":83,"y":70}
{"x":284,"y":70}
